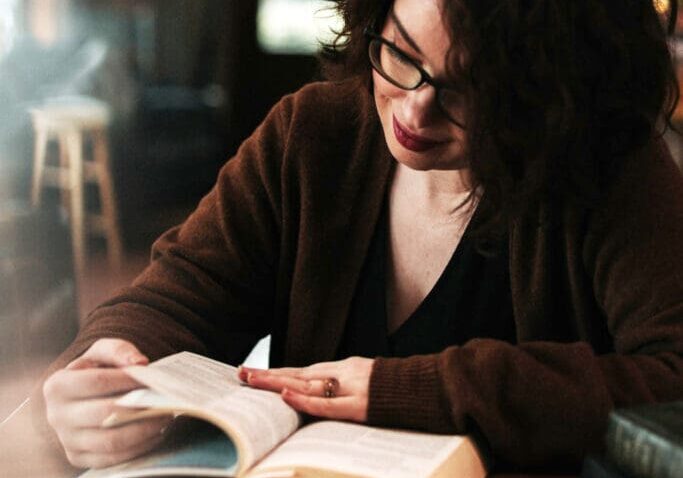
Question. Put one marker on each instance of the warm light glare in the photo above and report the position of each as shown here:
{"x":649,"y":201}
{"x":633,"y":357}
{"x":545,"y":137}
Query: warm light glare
{"x":662,"y":6}
{"x":44,"y":21}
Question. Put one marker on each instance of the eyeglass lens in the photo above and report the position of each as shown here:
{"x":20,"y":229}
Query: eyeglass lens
{"x":400,"y":71}
{"x":396,"y":67}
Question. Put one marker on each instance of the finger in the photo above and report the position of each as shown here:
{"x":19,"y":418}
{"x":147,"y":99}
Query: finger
{"x":89,"y":383}
{"x":87,"y":413}
{"x":243,"y":372}
{"x":115,"y":353}
{"x":322,"y":370}
{"x":81,"y":363}
{"x":318,"y":371}
{"x":116,"y":441}
{"x":276,"y":383}
{"x":101,"y":460}
{"x":340,"y":408}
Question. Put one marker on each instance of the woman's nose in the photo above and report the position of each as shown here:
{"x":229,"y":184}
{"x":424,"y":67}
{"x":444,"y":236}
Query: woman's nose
{"x":419,"y":106}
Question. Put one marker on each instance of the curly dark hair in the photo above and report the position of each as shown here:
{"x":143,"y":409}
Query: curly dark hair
{"x":560,"y":92}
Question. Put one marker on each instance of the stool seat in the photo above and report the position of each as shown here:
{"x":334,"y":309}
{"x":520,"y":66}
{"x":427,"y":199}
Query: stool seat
{"x":72,"y":112}
{"x":70,"y":121}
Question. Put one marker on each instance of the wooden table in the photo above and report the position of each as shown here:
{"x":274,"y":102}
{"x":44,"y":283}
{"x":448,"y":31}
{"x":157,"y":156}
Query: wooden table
{"x":23,"y":454}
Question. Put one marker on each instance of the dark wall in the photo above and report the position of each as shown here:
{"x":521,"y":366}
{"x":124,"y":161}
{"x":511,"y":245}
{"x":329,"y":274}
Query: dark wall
{"x":259,"y":79}
{"x":171,"y":150}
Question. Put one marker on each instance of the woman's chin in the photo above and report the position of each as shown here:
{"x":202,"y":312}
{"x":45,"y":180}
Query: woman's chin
{"x":439,"y":158}
{"x":414,"y":163}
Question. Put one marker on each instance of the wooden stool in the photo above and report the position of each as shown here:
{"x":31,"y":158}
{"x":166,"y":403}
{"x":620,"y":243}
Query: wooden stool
{"x":69,"y":122}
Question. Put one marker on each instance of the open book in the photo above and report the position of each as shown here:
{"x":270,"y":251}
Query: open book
{"x":256,"y":434}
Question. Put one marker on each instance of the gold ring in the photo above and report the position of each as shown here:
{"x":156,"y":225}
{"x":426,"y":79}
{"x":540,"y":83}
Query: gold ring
{"x":330,"y":387}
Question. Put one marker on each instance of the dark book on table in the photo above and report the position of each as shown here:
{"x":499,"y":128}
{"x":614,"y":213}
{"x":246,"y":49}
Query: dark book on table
{"x":647,"y":441}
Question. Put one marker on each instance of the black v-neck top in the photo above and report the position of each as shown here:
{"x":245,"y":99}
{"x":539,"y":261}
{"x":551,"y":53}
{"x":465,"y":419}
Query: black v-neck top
{"x":470,"y":299}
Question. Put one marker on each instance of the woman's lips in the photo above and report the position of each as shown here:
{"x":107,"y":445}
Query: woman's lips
{"x":412,"y":141}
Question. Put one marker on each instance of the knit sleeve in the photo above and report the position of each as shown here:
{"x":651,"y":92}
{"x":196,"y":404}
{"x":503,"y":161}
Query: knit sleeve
{"x":544,"y":403}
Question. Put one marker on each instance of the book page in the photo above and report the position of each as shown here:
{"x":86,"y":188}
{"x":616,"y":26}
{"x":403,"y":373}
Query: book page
{"x":259,"y":419}
{"x":148,"y":398}
{"x":352,"y":449}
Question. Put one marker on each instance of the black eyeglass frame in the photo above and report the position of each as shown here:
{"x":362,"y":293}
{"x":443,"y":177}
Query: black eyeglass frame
{"x":424,"y":76}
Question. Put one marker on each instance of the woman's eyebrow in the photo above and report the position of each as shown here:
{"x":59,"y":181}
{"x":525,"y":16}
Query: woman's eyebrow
{"x":404,"y":33}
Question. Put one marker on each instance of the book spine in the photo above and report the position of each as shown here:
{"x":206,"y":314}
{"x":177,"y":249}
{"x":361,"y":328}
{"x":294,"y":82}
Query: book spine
{"x":639,"y":452}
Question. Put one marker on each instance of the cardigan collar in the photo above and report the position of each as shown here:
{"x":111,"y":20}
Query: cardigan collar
{"x":321,"y":303}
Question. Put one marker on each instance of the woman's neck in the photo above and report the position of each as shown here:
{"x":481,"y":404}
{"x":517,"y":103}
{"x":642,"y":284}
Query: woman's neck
{"x":438,"y":191}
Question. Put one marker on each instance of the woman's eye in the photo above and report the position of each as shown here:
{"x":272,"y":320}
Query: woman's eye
{"x":398,"y":57}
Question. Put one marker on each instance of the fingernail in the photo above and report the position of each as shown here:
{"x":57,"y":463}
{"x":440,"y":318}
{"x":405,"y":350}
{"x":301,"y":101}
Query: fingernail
{"x":80,"y":363}
{"x":249,"y":377}
{"x":72,"y":365}
{"x":137,"y":359}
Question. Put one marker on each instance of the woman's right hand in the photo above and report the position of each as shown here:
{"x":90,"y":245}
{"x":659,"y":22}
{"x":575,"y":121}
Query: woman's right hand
{"x":80,"y":396}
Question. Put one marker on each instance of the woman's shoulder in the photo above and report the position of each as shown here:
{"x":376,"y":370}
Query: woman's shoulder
{"x":333,"y":93}
{"x":330,"y":103}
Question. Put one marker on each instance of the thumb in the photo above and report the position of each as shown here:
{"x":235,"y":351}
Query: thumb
{"x":110,"y":353}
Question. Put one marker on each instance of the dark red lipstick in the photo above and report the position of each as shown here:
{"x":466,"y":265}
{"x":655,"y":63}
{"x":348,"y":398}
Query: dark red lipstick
{"x":411,"y":140}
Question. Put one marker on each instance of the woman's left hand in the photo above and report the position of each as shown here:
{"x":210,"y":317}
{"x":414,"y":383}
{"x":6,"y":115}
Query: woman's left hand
{"x":336,"y":390}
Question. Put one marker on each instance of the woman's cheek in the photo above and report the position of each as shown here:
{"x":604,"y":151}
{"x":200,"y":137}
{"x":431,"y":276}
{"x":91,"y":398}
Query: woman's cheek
{"x":385,"y":89}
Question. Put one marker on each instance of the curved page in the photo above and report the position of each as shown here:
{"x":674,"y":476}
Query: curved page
{"x":192,"y":448}
{"x":256,"y":419}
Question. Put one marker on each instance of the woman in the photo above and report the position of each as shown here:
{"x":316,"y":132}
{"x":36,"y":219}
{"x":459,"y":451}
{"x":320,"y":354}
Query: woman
{"x":481,"y":216}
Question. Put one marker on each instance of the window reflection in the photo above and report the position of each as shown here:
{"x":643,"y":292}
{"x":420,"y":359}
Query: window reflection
{"x":8,"y":24}
{"x":295,"y":26}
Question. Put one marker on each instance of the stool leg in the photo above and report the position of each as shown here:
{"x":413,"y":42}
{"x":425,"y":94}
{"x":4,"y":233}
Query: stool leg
{"x":74,"y":147}
{"x":64,"y":175}
{"x":107,"y":199}
{"x":40,"y":151}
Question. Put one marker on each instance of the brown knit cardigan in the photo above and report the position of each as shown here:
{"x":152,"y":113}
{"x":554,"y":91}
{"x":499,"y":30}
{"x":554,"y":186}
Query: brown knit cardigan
{"x":278,"y":244}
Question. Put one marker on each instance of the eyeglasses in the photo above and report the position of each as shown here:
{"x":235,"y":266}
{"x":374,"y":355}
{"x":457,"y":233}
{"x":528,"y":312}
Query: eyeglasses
{"x":400,"y":70}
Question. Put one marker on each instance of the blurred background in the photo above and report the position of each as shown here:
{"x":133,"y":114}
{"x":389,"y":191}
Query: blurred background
{"x":150,"y":98}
